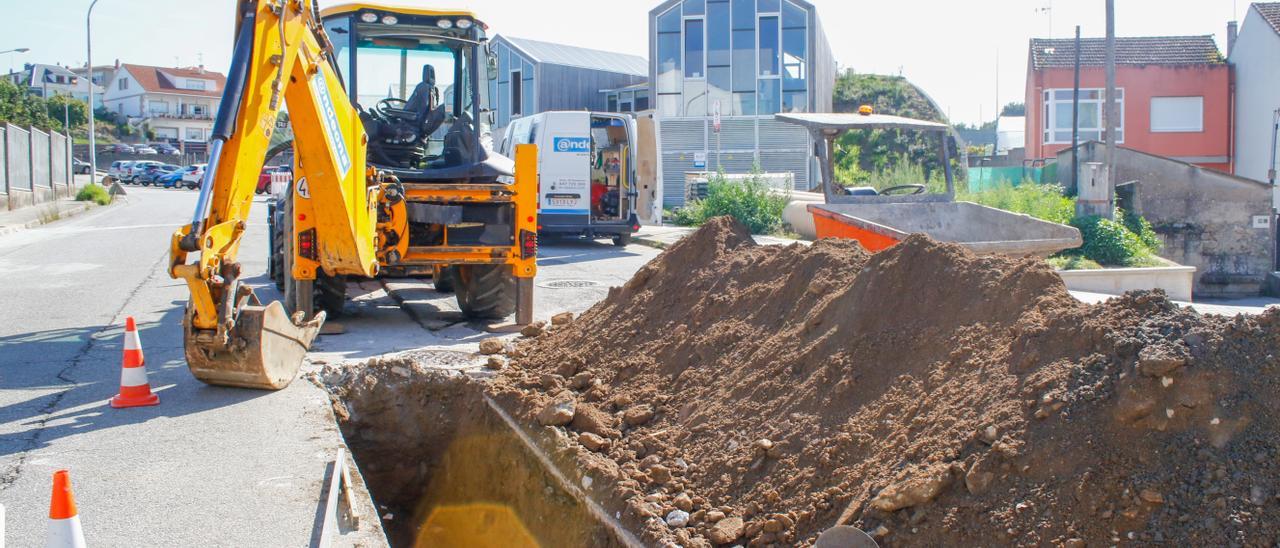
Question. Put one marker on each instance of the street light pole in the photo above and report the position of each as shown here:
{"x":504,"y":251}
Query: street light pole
{"x":11,"y":52}
{"x":93,"y":143}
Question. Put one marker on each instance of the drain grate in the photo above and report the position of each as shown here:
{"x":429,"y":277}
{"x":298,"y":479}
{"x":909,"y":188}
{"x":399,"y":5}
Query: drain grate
{"x":569,"y":284}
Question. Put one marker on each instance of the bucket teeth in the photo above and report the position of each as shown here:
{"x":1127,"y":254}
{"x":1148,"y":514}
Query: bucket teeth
{"x":266,"y":350}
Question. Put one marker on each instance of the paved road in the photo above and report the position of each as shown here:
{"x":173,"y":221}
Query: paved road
{"x":209,"y":465}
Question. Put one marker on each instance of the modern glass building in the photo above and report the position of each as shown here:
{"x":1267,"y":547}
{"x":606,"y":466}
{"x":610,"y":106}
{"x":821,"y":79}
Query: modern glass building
{"x":746,"y":60}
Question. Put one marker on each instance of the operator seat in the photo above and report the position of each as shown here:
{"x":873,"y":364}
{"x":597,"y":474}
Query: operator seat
{"x":398,"y":135}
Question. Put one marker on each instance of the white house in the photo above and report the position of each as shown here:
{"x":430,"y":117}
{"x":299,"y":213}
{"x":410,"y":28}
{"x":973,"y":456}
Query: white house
{"x":176,"y":103}
{"x":1256,"y":57}
{"x":50,"y":80}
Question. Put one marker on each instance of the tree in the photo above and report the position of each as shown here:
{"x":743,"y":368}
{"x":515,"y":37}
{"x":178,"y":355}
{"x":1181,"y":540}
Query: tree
{"x":859,"y":154}
{"x":21,"y":108}
{"x":62,"y":108}
{"x":1014,"y":109}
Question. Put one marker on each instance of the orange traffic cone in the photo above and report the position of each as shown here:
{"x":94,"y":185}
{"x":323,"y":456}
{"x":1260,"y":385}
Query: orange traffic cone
{"x":64,"y":520}
{"x":135,"y":391}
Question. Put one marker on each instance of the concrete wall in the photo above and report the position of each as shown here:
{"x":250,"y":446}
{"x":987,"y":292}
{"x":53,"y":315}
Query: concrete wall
{"x":1205,"y":218}
{"x":1257,"y":80}
{"x":35,"y":167}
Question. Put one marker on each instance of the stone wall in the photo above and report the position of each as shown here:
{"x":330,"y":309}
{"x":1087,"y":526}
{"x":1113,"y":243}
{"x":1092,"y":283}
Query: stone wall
{"x":1219,"y":223}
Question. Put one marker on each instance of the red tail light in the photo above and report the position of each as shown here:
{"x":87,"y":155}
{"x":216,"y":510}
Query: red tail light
{"x":528,"y":244}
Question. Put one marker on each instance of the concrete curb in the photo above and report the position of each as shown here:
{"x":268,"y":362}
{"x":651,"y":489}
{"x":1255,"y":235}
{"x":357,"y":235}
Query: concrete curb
{"x":72,"y":211}
{"x":649,"y":242}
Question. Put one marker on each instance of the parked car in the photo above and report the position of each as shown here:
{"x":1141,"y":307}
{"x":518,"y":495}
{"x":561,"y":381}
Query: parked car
{"x":136,"y":170}
{"x":119,"y":169}
{"x":194,"y":175}
{"x":144,"y":150}
{"x":80,"y":166}
{"x":151,"y":174}
{"x":264,"y":179}
{"x":120,"y":148}
{"x":165,"y":148}
{"x":173,"y":179}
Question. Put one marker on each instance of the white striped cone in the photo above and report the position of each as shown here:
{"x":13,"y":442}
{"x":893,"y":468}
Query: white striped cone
{"x":135,"y":390}
{"x":64,"y":518}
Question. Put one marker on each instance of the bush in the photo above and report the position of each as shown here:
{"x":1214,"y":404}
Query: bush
{"x":1142,"y":228}
{"x":95,"y":193}
{"x":749,"y":201}
{"x":1109,"y":242}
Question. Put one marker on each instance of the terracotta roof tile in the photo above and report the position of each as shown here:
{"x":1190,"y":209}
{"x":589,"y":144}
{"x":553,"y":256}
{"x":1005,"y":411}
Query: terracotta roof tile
{"x":1156,"y":50}
{"x":158,"y":79}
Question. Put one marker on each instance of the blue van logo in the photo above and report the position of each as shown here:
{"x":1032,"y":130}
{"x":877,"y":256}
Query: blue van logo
{"x":572,"y":144}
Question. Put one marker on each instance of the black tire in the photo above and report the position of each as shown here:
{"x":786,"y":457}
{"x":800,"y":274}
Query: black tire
{"x":275,"y":262}
{"x":485,"y":291}
{"x":622,"y":240}
{"x":444,"y":283}
{"x":331,"y":294}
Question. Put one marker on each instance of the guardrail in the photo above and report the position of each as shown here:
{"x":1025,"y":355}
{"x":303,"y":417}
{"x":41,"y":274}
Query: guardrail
{"x":35,"y":166}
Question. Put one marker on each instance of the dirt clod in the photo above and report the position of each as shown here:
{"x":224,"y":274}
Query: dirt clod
{"x":495,"y":362}
{"x":492,"y":346}
{"x":563,"y":318}
{"x":593,"y":441}
{"x":558,"y":412}
{"x":534,"y":329}
{"x":900,"y":392}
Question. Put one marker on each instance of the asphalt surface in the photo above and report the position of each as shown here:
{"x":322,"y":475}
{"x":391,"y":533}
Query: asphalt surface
{"x":209,"y":465}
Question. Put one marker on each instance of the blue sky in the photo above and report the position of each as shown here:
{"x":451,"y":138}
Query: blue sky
{"x":948,"y":47}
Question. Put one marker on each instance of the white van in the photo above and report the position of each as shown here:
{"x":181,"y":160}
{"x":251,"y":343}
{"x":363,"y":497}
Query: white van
{"x":586,"y":170}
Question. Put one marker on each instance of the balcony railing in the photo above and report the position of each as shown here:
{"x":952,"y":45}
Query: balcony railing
{"x":181,"y":116}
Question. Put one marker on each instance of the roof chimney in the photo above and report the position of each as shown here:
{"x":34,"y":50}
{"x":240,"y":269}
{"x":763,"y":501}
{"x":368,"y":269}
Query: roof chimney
{"x":200,"y":68}
{"x":1233,"y":30}
{"x":117,"y":63}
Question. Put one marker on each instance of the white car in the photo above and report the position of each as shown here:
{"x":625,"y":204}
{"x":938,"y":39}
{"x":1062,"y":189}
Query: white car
{"x":118,"y":169}
{"x":131,"y":175}
{"x":193,"y":177}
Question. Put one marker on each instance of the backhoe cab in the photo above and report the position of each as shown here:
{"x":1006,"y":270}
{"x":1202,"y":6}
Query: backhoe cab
{"x":394,"y":175}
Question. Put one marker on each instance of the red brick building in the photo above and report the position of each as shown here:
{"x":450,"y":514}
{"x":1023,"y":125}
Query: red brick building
{"x":1174,"y":97}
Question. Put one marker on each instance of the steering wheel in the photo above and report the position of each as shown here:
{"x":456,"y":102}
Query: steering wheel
{"x":384,"y":106}
{"x":902,"y":190}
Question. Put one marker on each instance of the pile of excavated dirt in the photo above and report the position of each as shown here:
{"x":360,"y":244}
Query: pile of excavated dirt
{"x":740,"y":394}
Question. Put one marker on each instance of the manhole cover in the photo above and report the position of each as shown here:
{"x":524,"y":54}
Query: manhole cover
{"x":569,"y":284}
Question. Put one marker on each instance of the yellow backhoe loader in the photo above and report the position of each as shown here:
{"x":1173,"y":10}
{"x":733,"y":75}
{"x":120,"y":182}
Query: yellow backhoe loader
{"x":393,"y":172}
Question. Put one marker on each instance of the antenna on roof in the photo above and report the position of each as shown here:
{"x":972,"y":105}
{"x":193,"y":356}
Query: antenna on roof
{"x":1048,"y":10}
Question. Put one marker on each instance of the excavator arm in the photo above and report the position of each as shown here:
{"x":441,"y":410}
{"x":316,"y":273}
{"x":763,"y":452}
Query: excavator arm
{"x":281,"y":54}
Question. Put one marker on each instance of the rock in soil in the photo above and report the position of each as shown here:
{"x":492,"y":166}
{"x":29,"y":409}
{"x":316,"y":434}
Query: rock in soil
{"x":912,"y":377}
{"x":725,"y":531}
{"x":563,"y":318}
{"x":492,"y":346}
{"x":495,"y":362}
{"x":593,"y":442}
{"x":534,"y":329}
{"x":557,"y":412}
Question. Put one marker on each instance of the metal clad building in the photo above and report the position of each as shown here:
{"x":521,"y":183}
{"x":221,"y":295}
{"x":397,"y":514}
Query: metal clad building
{"x":754,"y":58}
{"x":535,"y":76}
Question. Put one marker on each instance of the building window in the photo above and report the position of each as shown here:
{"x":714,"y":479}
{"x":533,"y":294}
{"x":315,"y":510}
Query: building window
{"x":195,"y":134}
{"x":769,"y":46}
{"x":668,"y":62}
{"x":195,"y":84}
{"x":1177,"y":114}
{"x":612,"y":102}
{"x":744,"y":58}
{"x":517,"y":85}
{"x":626,"y":102}
{"x":693,"y":48}
{"x":642,"y":101}
{"x":123,"y":84}
{"x":157,"y":108}
{"x":1057,"y":116}
{"x":198,"y":109}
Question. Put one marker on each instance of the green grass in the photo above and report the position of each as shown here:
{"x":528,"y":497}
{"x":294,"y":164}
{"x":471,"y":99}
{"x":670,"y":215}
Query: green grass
{"x":95,"y":193}
{"x":1046,"y":202}
{"x":1072,"y":262}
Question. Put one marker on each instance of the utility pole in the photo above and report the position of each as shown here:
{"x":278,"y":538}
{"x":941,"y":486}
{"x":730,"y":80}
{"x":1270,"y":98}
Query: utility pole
{"x":1109,"y":109}
{"x":1075,"y":119}
{"x":93,"y":144}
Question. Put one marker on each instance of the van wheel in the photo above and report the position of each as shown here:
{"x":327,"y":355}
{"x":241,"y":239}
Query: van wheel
{"x":485,"y":291}
{"x":622,"y":240}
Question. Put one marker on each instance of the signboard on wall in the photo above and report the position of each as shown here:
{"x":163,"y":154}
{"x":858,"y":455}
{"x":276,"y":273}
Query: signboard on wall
{"x":700,"y":160}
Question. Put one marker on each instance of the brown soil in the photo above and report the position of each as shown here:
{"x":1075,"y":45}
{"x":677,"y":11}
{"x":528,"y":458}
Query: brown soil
{"x":923,"y":394}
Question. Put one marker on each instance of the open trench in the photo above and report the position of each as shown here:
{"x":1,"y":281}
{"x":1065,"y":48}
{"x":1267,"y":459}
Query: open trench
{"x":446,"y":467}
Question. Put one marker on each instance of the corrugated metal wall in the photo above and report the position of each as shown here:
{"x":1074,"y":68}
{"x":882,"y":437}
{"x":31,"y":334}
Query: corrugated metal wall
{"x":574,"y":88}
{"x":4,"y":163}
{"x":743,"y":142}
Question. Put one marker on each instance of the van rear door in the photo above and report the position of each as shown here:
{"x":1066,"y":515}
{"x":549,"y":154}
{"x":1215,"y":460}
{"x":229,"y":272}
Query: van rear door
{"x":564,"y":143}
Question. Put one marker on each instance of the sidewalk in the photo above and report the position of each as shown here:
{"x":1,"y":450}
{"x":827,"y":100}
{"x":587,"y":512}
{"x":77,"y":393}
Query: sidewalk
{"x":43,"y":213}
{"x":662,"y":237}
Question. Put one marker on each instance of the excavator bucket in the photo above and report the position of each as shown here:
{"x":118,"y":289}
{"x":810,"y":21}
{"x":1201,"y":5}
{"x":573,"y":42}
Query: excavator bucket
{"x":265,"y":352}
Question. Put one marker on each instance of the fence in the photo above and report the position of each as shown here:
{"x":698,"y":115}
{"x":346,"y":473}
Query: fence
{"x":986,"y":178}
{"x":35,"y":166}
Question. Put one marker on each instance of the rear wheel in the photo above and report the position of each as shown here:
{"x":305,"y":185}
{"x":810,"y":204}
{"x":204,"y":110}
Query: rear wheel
{"x":442,"y":278}
{"x":622,"y":240}
{"x":485,"y":291}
